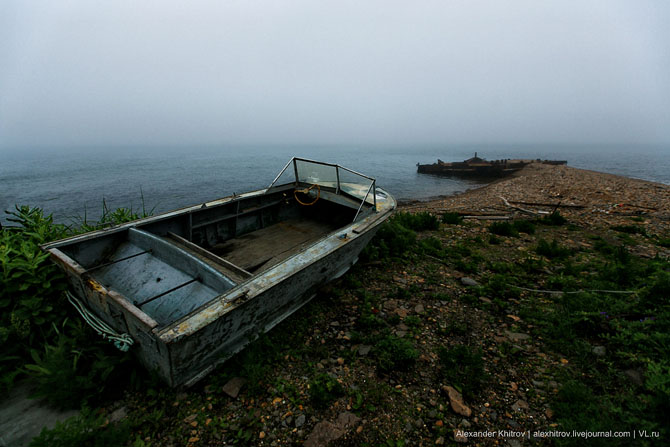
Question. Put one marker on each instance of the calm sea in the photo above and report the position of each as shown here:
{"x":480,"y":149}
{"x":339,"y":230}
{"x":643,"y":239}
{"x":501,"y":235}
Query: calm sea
{"x":72,"y":185}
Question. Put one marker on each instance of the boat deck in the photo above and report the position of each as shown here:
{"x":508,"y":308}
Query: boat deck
{"x":261,"y":249}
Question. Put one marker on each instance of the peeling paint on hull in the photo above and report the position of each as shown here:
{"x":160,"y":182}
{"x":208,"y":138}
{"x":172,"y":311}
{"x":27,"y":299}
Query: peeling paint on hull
{"x":182,"y":348}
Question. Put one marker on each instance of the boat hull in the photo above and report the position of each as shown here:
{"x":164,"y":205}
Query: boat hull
{"x":184,"y":345}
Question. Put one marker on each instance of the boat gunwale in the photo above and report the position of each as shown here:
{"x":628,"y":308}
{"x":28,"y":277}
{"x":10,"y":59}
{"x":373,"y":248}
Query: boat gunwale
{"x":232,"y":296}
{"x":228,"y":301}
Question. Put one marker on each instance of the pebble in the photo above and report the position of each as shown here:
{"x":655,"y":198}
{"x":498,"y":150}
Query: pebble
{"x":467,"y":281}
{"x":520,"y":405}
{"x":599,"y":351}
{"x":300,"y":421}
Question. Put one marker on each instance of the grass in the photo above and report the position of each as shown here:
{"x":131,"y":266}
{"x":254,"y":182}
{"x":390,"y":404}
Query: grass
{"x":314,"y":368}
{"x":463,"y":368}
{"x":393,"y":354}
{"x":503,"y":229}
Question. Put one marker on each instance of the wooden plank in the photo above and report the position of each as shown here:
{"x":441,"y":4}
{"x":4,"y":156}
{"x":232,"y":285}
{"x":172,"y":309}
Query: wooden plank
{"x":229,"y":269}
{"x":268,"y":246}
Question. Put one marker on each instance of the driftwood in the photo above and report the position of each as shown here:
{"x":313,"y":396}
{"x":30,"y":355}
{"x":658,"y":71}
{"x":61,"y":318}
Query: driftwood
{"x":558,"y":292}
{"x":523,"y":210}
{"x":553,"y":205}
{"x":488,"y":217}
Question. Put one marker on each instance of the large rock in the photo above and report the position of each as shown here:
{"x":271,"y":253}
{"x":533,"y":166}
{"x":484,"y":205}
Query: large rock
{"x":233,"y":386}
{"x":325,"y":432}
{"x":517,"y":336}
{"x":456,"y":401}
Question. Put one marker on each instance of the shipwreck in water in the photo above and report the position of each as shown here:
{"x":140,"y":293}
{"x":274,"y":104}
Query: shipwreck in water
{"x":480,"y":167}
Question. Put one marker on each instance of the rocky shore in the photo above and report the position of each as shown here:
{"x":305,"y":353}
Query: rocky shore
{"x":588,"y":196}
{"x":502,"y":328}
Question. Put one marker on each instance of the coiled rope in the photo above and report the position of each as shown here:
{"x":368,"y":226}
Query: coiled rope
{"x":122,"y":341}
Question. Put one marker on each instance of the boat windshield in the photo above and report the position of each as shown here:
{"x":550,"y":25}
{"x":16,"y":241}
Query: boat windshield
{"x":341,"y":179}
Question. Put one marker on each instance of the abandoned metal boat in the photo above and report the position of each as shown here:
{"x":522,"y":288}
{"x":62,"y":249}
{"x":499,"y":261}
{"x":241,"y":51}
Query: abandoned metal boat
{"x":193,"y":286}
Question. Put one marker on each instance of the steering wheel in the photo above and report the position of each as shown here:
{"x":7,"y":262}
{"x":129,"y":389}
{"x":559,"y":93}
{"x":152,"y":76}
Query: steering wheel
{"x":306,"y":191}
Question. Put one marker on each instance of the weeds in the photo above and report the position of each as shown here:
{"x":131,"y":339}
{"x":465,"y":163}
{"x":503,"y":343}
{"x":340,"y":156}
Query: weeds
{"x":554,"y":219}
{"x":452,"y":218}
{"x":630,"y":229}
{"x":551,"y":249}
{"x":323,"y":389}
{"x":416,"y":221}
{"x":86,"y":429}
{"x":463,"y":368}
{"x":503,"y":229}
{"x":36,"y":336}
{"x":524,"y":226}
{"x":394,"y":353}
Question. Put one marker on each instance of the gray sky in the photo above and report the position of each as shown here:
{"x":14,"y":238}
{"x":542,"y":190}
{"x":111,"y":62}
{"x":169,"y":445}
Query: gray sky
{"x":381,"y":72}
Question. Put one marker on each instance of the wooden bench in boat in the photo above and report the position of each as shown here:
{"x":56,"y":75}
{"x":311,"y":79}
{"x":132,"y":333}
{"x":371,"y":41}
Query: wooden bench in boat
{"x":229,"y":269}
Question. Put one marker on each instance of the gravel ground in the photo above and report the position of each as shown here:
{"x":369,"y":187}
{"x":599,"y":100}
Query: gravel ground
{"x":587,"y":196}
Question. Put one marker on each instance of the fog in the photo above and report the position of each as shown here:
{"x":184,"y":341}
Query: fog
{"x":176,"y":73}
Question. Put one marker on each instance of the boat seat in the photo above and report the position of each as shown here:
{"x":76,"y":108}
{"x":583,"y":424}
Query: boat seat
{"x":234,"y":272}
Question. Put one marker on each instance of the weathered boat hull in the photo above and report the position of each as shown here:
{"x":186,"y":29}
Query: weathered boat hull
{"x":132,"y":276}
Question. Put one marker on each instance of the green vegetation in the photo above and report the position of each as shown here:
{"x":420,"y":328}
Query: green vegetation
{"x":86,"y":429}
{"x":423,"y":221}
{"x":503,"y":229}
{"x":324,"y":389}
{"x":629,"y":229}
{"x":40,"y":334}
{"x":357,"y":345}
{"x":452,"y":218}
{"x":551,"y":249}
{"x":395,"y":353}
{"x":554,"y":219}
{"x":463,"y":368}
{"x":524,"y":226}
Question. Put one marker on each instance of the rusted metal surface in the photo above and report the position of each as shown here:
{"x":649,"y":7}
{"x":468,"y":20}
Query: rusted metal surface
{"x":185,"y":314}
{"x":479,"y":167}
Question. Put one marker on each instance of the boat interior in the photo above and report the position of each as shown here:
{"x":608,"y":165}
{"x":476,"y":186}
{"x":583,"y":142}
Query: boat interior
{"x":172,"y":266}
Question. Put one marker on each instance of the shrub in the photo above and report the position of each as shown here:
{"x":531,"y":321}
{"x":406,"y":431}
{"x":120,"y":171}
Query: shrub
{"x":422,"y":221}
{"x":554,"y":219}
{"x":551,"y":250}
{"x":392,"y":240}
{"x":503,"y":229}
{"x":524,"y":226}
{"x":450,"y":218}
{"x":324,"y":389}
{"x":31,"y":288}
{"x":432,"y":246}
{"x":629,"y":229}
{"x":394,"y":353}
{"x":83,"y":429}
{"x":75,"y":370}
{"x":463,"y":368}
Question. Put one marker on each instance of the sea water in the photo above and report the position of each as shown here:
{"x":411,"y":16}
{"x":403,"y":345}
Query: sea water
{"x":71,"y":184}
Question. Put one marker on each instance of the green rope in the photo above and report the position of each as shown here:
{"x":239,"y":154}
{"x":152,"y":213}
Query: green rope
{"x":121,"y":341}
